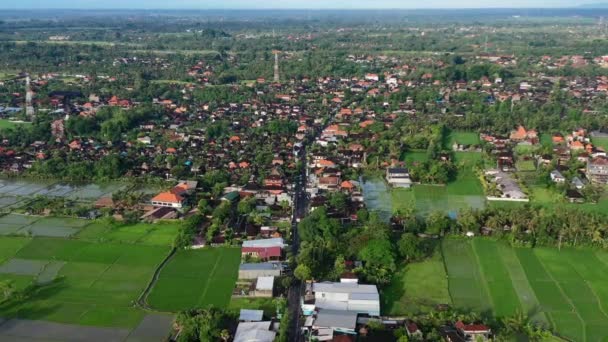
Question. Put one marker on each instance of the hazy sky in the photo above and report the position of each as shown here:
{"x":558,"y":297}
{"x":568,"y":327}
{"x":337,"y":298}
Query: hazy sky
{"x":311,"y":4}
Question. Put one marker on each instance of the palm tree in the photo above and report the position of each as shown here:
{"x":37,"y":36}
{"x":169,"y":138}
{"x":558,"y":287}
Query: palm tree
{"x":225,"y":335}
{"x":7,"y":288}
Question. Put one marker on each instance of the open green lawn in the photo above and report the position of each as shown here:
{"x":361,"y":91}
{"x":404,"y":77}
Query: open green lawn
{"x":464,"y":192}
{"x":94,"y":283}
{"x":565,"y":290}
{"x":195,"y":278}
{"x":601,"y":142}
{"x":266,"y":304}
{"x":410,"y":157}
{"x":5,"y":123}
{"x":525,"y":165}
{"x":416,"y":287}
{"x":159,"y":234}
{"x":463,"y":138}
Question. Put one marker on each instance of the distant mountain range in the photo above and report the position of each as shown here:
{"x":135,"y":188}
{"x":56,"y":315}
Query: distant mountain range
{"x":595,"y":5}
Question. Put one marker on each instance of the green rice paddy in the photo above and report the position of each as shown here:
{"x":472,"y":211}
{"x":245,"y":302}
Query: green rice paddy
{"x":96,"y":276}
{"x":564,"y":290}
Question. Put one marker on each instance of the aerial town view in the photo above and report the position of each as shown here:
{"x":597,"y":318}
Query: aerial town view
{"x":261,"y":171}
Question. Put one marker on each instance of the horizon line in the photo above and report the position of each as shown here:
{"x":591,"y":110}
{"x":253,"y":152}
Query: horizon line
{"x":294,"y":9}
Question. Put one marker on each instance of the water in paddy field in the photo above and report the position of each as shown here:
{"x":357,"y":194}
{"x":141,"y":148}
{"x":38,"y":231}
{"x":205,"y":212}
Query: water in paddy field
{"x":377,"y":198}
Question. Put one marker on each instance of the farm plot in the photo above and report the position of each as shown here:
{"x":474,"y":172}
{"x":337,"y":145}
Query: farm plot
{"x":40,"y":226}
{"x":466,"y":283}
{"x":94,"y":284}
{"x":565,"y":289}
{"x":196,"y":278}
{"x":160,"y":234}
{"x":417,"y":287}
{"x":495,"y":274}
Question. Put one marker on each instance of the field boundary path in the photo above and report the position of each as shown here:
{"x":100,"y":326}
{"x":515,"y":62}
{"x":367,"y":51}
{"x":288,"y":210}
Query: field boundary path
{"x":142,"y":301}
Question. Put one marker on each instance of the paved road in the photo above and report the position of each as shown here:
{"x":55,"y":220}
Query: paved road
{"x":300,"y":208}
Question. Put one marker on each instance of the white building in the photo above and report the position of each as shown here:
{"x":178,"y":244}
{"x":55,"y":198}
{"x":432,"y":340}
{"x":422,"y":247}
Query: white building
{"x":254,"y":332}
{"x":398,"y":177}
{"x":351,"y":297}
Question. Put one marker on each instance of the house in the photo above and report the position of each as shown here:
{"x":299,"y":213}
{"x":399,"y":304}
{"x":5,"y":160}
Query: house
{"x":398,"y":177}
{"x":255,"y":332}
{"x":597,"y":170}
{"x":336,"y":320}
{"x":168,"y":199}
{"x":265,"y":249}
{"x":574,"y":196}
{"x":413,"y":331}
{"x":352,"y":297}
{"x":521,"y":135}
{"x":557,"y":176}
{"x":473,"y":332}
{"x":247,"y":315}
{"x":577,"y":183}
{"x":264,"y":287}
{"x":264,"y":269}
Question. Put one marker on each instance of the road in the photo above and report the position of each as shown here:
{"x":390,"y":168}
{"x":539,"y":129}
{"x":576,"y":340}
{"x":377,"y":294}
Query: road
{"x":300,"y":208}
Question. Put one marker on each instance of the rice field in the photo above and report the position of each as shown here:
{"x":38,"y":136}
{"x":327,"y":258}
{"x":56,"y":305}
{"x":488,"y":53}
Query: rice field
{"x":564,"y":290}
{"x":196,"y":278}
{"x":416,"y":287}
{"x":78,"y":282}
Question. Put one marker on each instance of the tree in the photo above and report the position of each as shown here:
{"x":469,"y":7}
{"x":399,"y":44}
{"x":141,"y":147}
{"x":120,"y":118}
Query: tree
{"x":302,"y":272}
{"x":409,"y":247}
{"x":7,"y":288}
{"x":203,"y":206}
{"x":437,"y":223}
{"x":204,"y":324}
{"x":379,"y":261}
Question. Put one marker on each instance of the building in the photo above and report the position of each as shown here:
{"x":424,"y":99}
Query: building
{"x":557,"y":176}
{"x":264,"y":287}
{"x":247,"y":315}
{"x":255,"y":332}
{"x":176,"y":197}
{"x":351,"y":297}
{"x":265,"y":249}
{"x":336,"y":320}
{"x":264,"y":269}
{"x":398,"y":177}
{"x":168,"y":199}
{"x":473,"y":332}
{"x":597,"y":170}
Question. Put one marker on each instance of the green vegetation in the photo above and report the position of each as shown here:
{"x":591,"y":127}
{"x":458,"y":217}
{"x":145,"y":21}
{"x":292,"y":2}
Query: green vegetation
{"x":462,"y":138}
{"x":196,"y":278}
{"x":601,"y":142}
{"x":96,"y":283}
{"x":416,"y":287}
{"x":561,"y":289}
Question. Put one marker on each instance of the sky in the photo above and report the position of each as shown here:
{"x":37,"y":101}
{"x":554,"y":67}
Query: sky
{"x":279,"y":4}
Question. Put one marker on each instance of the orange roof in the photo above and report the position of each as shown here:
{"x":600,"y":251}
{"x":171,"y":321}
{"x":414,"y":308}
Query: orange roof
{"x":171,"y":150}
{"x":168,"y":197}
{"x":325,"y":162}
{"x":347,"y":185}
{"x":366,"y":123}
{"x":577,"y":144}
